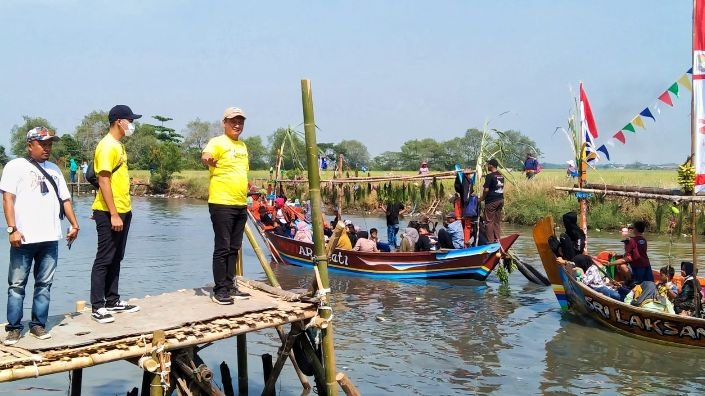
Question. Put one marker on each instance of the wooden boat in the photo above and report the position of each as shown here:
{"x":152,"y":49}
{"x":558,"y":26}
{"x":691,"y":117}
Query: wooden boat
{"x":470,"y":263}
{"x":575,"y":296}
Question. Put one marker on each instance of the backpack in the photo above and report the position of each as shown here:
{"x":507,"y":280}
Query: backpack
{"x":470,"y":210}
{"x":91,"y":176}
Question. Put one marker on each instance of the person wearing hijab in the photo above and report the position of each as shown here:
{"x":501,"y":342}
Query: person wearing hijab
{"x":303,"y":232}
{"x":684,"y":303}
{"x":573,"y":240}
{"x":408,"y":239}
{"x":645,"y":295}
{"x":364,"y":244}
{"x":594,"y":278}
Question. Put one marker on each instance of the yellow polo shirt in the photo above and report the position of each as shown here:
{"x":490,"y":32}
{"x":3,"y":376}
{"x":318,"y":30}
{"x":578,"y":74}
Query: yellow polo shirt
{"x":228,"y":179}
{"x":108,"y":155}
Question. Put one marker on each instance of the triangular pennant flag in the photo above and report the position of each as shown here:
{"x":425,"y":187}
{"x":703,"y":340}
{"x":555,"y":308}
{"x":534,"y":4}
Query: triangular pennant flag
{"x":647,"y":113}
{"x":666,"y":98}
{"x":604,"y":150}
{"x":629,"y":127}
{"x":620,"y":136}
{"x":690,"y":71}
{"x":638,"y":122}
{"x":674,"y":88}
{"x":685,"y":81}
{"x":657,"y":107}
{"x":610,"y":142}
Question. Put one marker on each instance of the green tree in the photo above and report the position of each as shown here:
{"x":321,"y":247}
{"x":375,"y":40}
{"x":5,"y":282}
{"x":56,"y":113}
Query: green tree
{"x":355,"y":153}
{"x":88,"y":133}
{"x":257,"y":152}
{"x":4,"y":158}
{"x":168,"y":160}
{"x":511,"y":147}
{"x":197,"y":133}
{"x":294,"y":155}
{"x":166,"y":134}
{"x":18,"y":134}
{"x":142,"y":147}
{"x":389,"y":160}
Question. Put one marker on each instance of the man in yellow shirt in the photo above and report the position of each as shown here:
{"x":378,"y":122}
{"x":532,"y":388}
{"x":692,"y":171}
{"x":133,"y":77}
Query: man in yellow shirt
{"x":112,"y":214}
{"x":227,"y":161}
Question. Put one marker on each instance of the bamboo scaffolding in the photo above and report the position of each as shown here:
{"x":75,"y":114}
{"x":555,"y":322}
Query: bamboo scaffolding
{"x":634,"y":194}
{"x":645,"y":190}
{"x":320,"y":259}
{"x":377,"y":179}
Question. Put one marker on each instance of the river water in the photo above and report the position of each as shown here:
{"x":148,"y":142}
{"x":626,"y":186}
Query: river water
{"x":417,"y":337}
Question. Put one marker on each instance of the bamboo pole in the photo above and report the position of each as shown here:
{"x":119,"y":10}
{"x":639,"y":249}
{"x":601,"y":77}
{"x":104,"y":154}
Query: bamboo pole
{"x":347,"y":385}
{"x":320,"y":258}
{"x":375,"y":179}
{"x":633,"y":194}
{"x":155,"y":386}
{"x":693,"y":143}
{"x":260,"y":256}
{"x":241,"y":343}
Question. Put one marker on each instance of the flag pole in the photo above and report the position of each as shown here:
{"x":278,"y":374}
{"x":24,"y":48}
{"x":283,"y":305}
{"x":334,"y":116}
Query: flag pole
{"x":693,"y":138}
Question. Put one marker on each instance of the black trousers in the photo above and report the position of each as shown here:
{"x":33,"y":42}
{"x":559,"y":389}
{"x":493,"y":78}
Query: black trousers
{"x":105,"y":274}
{"x":445,"y":241}
{"x":228,"y":226}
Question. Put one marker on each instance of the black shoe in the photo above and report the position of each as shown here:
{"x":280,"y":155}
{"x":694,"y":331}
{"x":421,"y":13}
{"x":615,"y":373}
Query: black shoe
{"x":12,"y":337}
{"x":122,"y":306}
{"x":102,"y":316}
{"x":39,"y":332}
{"x":238,"y":295}
{"x":222,"y":299}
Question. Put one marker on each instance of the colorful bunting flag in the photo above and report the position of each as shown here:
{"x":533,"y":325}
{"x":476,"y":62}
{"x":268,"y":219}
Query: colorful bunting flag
{"x":690,"y":71}
{"x":629,"y":127}
{"x":685,"y":81}
{"x":674,"y":88}
{"x":647,"y":113}
{"x":638,"y":122}
{"x":620,"y":136}
{"x":604,"y":150}
{"x":666,"y":98}
{"x":610,"y":142}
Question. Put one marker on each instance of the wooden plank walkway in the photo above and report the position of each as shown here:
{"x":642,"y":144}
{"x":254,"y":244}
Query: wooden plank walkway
{"x":188,"y":317}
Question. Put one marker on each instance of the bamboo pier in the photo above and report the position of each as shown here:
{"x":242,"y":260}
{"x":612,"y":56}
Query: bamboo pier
{"x":636,"y":192}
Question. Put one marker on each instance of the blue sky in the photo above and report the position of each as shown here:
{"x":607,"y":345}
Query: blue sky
{"x":382,"y":71}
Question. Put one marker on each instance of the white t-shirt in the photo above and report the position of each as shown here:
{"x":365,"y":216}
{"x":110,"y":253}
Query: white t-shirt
{"x":36,"y":214}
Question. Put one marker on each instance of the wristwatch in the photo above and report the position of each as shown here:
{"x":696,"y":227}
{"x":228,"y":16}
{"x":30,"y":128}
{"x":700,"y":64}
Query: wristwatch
{"x":11,"y":229}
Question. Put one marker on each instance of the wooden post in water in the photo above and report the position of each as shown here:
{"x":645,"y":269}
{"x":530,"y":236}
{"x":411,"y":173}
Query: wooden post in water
{"x":241,"y":342}
{"x":155,"y":386}
{"x":76,"y":379}
{"x":320,"y":260}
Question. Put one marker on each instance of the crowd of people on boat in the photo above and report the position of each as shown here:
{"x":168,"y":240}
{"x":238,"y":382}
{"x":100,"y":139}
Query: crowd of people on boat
{"x":628,"y":276}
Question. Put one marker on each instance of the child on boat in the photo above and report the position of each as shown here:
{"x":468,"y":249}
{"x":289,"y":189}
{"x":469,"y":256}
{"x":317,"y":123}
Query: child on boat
{"x":364,"y":244}
{"x":635,"y":260}
{"x":666,"y":285}
{"x":646,"y":295}
{"x":685,"y":303}
{"x":592,"y":275}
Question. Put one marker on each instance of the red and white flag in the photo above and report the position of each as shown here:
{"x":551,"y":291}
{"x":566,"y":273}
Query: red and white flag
{"x":587,"y":127}
{"x":699,"y":92}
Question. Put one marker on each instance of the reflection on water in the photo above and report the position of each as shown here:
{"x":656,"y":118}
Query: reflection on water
{"x":415,"y":337}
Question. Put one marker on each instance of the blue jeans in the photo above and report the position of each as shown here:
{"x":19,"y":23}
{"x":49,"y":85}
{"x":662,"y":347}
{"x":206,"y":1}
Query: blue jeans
{"x":609,"y":292}
{"x":45,"y":256}
{"x":642,"y":274}
{"x":392,"y":230}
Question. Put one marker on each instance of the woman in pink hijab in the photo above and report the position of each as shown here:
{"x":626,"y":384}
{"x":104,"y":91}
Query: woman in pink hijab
{"x":303,"y":232}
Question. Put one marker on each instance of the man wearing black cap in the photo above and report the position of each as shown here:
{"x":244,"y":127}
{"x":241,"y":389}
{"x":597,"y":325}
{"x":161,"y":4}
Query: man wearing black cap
{"x":112,"y":213}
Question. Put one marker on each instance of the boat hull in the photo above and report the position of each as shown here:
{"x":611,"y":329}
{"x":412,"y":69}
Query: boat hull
{"x":582,"y":300}
{"x":470,"y":263}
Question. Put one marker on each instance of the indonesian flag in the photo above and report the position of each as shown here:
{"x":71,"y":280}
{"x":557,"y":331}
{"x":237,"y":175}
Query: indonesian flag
{"x":587,"y":126}
{"x":699,"y":92}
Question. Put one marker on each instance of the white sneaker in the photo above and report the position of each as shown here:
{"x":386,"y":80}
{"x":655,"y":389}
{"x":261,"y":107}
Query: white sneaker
{"x":122,"y":306}
{"x":102,"y":316}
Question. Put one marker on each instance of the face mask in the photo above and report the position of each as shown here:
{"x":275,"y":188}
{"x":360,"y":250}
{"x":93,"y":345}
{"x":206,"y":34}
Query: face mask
{"x":130,"y":129}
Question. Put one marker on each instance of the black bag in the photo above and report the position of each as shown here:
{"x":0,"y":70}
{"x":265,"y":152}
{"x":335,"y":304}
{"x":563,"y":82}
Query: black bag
{"x":53,"y":184}
{"x":92,"y":178}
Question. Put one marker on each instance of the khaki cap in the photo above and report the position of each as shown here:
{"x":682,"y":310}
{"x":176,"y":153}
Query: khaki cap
{"x":232,"y":112}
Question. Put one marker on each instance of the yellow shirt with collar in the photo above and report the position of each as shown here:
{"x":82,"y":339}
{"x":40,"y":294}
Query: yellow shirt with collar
{"x":108,"y":155}
{"x":228,"y":179}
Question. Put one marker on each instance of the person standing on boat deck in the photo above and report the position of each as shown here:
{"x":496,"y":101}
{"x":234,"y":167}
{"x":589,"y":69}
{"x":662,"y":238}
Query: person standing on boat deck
{"x":33,"y":215}
{"x":493,"y":195}
{"x":112,"y":212}
{"x":227,"y":160}
{"x":393,"y":210}
{"x":635,"y":254}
